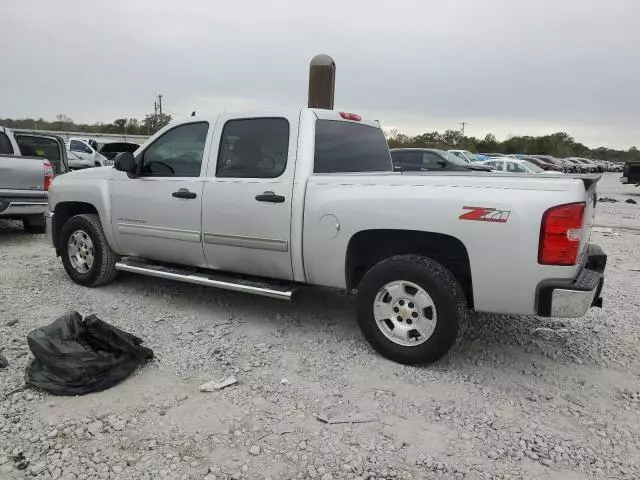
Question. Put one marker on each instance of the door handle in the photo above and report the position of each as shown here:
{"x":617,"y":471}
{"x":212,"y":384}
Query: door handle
{"x":183,"y":193}
{"x":270,"y":197}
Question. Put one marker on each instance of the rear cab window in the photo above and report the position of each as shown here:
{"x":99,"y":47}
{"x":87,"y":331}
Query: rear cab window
{"x":350,"y":147}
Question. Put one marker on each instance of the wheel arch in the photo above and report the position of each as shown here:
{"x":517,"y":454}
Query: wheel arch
{"x":63,"y":212}
{"x":368,"y":247}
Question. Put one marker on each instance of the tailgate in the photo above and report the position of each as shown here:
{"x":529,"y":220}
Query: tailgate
{"x":21,"y":173}
{"x":591,"y":199}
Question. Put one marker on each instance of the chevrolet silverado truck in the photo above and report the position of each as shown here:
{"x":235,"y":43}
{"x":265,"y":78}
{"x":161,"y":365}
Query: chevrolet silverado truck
{"x":268,"y":202}
{"x":28,"y":163}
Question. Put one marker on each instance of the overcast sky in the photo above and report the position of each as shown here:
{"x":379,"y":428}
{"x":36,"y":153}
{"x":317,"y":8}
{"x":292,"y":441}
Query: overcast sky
{"x":510,"y":67}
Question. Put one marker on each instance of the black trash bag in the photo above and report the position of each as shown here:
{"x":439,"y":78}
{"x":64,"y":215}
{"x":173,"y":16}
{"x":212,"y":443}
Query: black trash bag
{"x":75,"y":356}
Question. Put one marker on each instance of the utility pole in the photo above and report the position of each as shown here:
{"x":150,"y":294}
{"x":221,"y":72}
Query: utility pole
{"x":154,"y":122}
{"x":160,"y":103}
{"x":322,"y":81}
{"x":462,"y":129}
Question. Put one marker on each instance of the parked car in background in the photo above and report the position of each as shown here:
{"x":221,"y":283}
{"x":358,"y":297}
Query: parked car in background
{"x":515,"y":165}
{"x":431,"y":159}
{"x":579,"y":166}
{"x":89,"y":141}
{"x":82,"y":155}
{"x":566,"y":167}
{"x":464,"y":155}
{"x":544,"y":164}
{"x":28,"y":163}
{"x":587,"y":165}
{"x":110,"y":150}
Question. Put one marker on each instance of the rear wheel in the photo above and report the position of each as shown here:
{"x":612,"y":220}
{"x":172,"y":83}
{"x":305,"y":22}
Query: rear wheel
{"x":33,"y":224}
{"x":411,"y":309}
{"x":86,"y":255}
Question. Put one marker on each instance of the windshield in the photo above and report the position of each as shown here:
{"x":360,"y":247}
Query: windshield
{"x":350,"y":147}
{"x":531,"y":166}
{"x":471,"y":156}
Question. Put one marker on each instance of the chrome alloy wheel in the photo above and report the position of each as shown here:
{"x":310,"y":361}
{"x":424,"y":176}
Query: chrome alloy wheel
{"x":80,"y":251}
{"x":405,"y":313}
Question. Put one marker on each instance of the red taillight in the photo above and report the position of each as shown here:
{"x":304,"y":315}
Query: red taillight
{"x":351,"y":116}
{"x":48,"y":175}
{"x":560,"y":234}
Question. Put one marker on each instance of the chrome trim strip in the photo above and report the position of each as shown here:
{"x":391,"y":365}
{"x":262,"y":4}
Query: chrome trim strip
{"x":159,"y":232}
{"x":25,"y":208}
{"x":187,"y":277}
{"x":247,"y":242}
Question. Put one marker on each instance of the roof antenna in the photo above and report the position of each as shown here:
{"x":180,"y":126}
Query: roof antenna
{"x":193,"y":114}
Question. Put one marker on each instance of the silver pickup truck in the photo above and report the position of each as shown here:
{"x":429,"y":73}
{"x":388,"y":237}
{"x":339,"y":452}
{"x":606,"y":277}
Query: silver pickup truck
{"x":28,"y":163}
{"x":265,"y":202}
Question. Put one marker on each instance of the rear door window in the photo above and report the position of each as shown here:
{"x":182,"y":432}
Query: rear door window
{"x":253,"y":148}
{"x":407,"y":159}
{"x":432,"y":161}
{"x":343,"y":147}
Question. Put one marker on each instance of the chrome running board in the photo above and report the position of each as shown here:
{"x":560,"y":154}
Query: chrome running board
{"x":217,"y":280}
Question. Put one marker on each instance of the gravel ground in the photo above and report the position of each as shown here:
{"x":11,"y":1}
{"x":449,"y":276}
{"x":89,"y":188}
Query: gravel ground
{"x":523,"y":397}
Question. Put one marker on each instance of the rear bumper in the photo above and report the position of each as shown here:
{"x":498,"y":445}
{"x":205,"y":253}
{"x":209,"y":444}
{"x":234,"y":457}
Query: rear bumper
{"x":572,"y":298}
{"x":22,"y":207}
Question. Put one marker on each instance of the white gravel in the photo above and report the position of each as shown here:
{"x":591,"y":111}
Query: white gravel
{"x":523,"y":398}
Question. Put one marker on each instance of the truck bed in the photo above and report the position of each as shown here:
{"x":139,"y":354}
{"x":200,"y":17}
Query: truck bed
{"x":21,"y":186}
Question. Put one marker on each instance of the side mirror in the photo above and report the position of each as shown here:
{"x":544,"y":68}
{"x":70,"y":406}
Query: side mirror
{"x":125,"y":162}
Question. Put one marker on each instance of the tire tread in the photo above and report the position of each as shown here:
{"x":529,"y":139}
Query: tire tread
{"x":427,"y":268}
{"x":108,"y":257}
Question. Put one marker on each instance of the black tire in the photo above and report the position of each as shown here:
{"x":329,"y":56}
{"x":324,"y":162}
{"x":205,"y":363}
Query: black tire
{"x":35,"y":224}
{"x":103,"y":268}
{"x":439,"y":283}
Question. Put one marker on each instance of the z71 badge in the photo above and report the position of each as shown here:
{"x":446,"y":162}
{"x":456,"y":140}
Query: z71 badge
{"x":484,"y":214}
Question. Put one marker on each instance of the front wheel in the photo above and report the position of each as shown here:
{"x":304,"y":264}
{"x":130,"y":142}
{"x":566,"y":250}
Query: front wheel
{"x":411,"y":309}
{"x":86,"y":255}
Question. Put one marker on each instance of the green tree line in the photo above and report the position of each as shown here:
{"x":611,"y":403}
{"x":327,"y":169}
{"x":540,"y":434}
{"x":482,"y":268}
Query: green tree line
{"x":559,"y":144}
{"x":63,"y":123}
